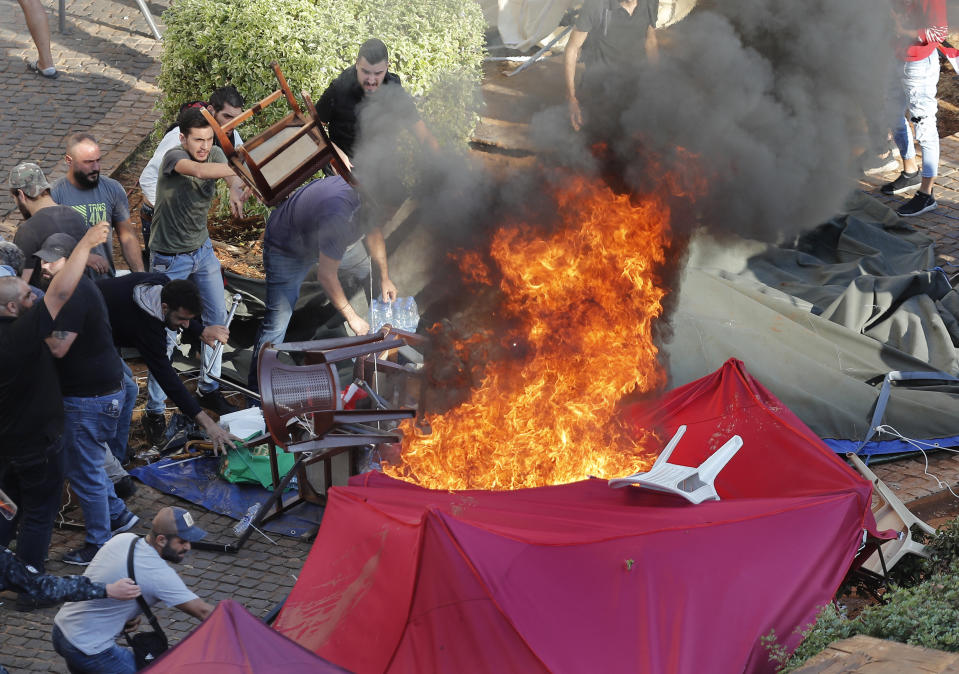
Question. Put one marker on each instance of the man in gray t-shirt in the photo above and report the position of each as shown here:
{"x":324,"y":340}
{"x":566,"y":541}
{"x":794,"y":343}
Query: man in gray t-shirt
{"x":183,"y":202}
{"x":85,"y":633}
{"x":180,"y":244}
{"x":97,"y":198}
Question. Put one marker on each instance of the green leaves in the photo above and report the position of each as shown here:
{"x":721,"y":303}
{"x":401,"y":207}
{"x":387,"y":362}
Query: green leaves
{"x":434,"y":45}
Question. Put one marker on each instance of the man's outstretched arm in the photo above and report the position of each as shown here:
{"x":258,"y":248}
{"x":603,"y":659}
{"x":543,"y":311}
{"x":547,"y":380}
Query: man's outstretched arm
{"x":65,"y":282}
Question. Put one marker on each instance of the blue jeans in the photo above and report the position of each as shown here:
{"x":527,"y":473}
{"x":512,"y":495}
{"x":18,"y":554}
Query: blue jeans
{"x":34,"y":480}
{"x":915,"y":93}
{"x":118,"y":443}
{"x":88,"y":425}
{"x":201,"y":267}
{"x":284,"y":276}
{"x":114,"y":660}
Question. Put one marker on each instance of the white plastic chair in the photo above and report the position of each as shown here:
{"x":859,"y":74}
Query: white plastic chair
{"x":693,"y":484}
{"x":891,"y":513}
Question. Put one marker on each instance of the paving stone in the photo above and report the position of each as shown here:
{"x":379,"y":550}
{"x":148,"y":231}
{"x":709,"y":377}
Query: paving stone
{"x":108,"y":63}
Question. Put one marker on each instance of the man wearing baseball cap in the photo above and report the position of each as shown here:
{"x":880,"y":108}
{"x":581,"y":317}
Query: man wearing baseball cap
{"x":85,"y":633}
{"x":44,"y":217}
{"x":94,"y":399}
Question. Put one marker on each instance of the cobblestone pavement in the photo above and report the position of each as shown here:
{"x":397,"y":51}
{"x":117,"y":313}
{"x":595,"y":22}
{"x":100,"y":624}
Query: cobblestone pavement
{"x":108,"y":64}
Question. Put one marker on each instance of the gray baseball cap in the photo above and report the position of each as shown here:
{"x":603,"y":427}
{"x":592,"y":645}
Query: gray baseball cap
{"x":56,"y":246}
{"x":28,"y":177}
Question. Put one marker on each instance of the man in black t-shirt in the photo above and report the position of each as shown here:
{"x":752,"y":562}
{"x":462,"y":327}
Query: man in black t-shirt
{"x":339,"y":106}
{"x":142,"y":307}
{"x":91,"y":378}
{"x":31,"y":410}
{"x":615,"y":37}
{"x":43,"y":217}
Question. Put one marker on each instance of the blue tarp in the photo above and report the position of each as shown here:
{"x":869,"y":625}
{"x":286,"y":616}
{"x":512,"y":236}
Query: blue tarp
{"x":198,"y":481}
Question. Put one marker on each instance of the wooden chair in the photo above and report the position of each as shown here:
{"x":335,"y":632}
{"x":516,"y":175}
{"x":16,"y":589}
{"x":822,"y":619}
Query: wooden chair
{"x":304,"y":412}
{"x":278,"y":160}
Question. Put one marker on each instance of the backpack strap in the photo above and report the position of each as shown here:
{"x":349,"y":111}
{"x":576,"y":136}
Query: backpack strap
{"x":140,"y":600}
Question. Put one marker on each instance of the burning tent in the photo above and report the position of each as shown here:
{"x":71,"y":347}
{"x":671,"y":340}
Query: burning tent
{"x":580,"y":577}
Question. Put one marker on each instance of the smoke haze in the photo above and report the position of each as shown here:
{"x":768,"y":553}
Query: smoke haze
{"x":774,"y":96}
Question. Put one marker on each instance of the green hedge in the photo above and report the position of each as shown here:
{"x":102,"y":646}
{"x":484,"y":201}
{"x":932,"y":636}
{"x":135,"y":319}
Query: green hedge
{"x":436,"y":46}
{"x":922,"y":609}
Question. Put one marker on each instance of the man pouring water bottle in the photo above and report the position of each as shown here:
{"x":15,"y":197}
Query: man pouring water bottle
{"x":318,"y":224}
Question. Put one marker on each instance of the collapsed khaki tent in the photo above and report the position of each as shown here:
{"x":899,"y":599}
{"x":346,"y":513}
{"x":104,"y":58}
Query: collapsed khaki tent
{"x":823,"y":322}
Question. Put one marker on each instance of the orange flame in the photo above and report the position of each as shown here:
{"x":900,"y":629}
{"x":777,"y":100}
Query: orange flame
{"x":587,"y":297}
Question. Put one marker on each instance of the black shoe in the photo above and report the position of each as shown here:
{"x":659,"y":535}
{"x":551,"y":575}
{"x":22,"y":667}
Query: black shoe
{"x":154,"y":424}
{"x":902,"y":183}
{"x":82,"y":556}
{"x":920,"y":203}
{"x":215,"y":402}
{"x":123,"y":522}
{"x":26,"y":603}
{"x":125,"y":487}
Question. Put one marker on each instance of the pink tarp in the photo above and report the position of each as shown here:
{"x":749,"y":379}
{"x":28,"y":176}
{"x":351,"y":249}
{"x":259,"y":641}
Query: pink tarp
{"x":232,"y":640}
{"x":584,"y":578}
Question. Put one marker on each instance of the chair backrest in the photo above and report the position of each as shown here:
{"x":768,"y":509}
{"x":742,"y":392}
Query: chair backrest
{"x":312,"y":390}
{"x":278,"y":160}
{"x":288,"y":391}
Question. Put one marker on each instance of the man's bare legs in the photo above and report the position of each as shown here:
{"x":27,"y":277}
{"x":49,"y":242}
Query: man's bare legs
{"x":36,"y":17}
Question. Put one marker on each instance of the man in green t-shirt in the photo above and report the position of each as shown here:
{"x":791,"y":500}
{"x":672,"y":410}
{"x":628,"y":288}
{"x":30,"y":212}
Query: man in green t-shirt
{"x":180,"y":241}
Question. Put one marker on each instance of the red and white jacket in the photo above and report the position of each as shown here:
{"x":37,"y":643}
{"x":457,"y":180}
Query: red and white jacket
{"x":928,"y":19}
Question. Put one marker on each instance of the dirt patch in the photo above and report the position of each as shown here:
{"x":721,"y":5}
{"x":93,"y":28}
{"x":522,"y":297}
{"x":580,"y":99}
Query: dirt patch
{"x":948,"y":117}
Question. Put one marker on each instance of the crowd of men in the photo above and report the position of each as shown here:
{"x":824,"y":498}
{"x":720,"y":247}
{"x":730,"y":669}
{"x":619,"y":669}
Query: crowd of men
{"x":67,"y":397}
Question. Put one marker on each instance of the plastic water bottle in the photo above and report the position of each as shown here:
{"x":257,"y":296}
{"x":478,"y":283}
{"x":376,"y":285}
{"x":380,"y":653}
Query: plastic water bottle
{"x":401,"y":313}
{"x":381,"y":313}
{"x":240,"y":527}
{"x":406,"y":315}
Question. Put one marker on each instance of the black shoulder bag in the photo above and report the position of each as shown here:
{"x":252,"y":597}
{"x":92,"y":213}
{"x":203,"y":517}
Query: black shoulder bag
{"x":147,"y":646}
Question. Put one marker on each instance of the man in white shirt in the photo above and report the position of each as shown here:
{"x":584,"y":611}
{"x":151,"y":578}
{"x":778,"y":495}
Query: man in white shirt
{"x":225,"y":104}
{"x":85,"y":633}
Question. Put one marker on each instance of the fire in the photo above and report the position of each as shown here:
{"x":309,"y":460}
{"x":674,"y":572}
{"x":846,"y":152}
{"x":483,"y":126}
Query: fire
{"x":586,"y":297}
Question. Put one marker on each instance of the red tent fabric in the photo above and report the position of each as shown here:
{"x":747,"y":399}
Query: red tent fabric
{"x":232,"y":640}
{"x":584,"y":578}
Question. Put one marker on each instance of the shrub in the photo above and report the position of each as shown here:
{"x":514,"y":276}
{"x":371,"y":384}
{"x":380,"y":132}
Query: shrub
{"x":924,"y":613}
{"x":209,"y":43}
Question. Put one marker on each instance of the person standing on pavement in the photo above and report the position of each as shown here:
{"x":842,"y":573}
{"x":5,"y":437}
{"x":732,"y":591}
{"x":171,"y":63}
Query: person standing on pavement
{"x":621,"y":37}
{"x":42,"y":216}
{"x":85,"y":633}
{"x":36,"y":17}
{"x":920,"y":28}
{"x":31,"y":409}
{"x":91,"y":381}
{"x":225,"y":104}
{"x":142,"y":308}
{"x":97,"y":198}
{"x":318,"y":224}
{"x":180,"y":245}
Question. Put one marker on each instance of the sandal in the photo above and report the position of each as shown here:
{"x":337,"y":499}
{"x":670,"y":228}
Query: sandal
{"x":50,"y":73}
